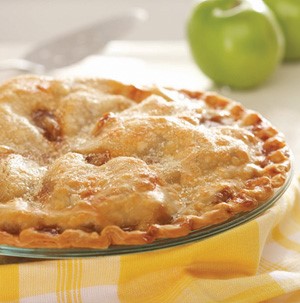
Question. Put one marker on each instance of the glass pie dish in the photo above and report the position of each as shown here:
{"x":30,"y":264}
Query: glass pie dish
{"x":94,"y":167}
{"x":194,"y":236}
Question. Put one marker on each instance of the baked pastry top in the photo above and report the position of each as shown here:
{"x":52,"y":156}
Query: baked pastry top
{"x":93,"y":162}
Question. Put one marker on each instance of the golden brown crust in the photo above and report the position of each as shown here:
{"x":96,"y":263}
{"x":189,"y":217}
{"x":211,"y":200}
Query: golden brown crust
{"x":93,"y":163}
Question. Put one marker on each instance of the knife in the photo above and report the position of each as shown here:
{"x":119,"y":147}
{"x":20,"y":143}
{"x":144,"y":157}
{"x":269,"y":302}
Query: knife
{"x":72,"y":47}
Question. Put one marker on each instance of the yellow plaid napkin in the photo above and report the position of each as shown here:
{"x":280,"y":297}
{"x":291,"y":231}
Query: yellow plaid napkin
{"x":256,"y":262}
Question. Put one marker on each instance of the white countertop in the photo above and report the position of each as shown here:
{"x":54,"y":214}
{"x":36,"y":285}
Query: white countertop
{"x":169,"y":63}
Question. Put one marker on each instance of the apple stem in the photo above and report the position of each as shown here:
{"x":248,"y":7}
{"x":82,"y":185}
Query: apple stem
{"x":236,"y":3}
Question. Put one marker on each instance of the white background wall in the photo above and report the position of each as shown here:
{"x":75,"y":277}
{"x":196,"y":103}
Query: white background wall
{"x":35,"y":20}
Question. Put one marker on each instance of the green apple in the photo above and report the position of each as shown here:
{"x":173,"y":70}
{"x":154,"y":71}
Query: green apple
{"x":288,"y":15}
{"x":238,"y":43}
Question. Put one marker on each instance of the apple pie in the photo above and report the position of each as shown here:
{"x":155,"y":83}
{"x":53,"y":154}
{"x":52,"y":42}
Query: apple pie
{"x":92,"y":163}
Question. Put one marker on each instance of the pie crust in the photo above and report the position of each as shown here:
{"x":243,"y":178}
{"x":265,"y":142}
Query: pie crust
{"x":92,"y":163}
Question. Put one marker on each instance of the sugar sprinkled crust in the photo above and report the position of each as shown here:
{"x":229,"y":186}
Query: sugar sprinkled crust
{"x":94,"y":163}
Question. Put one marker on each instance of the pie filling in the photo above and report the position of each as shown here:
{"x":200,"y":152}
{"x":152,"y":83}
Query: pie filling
{"x":94,"y":163}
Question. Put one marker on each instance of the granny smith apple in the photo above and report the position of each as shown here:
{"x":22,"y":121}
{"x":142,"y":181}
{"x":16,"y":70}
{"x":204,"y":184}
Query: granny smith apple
{"x":288,"y":15}
{"x":237,"y":43}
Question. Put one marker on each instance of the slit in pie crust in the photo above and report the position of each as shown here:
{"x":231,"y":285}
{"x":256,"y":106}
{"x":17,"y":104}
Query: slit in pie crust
{"x":92,"y":163}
